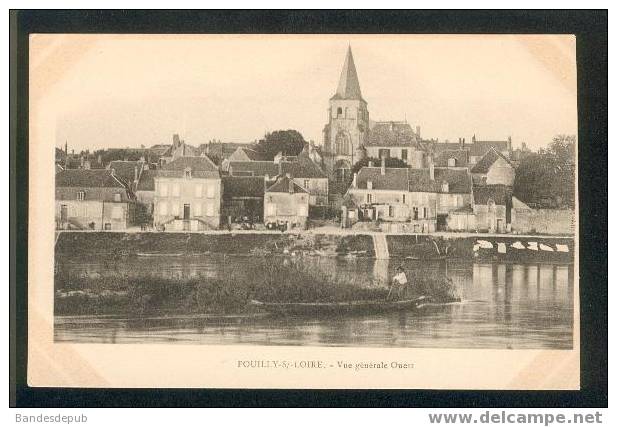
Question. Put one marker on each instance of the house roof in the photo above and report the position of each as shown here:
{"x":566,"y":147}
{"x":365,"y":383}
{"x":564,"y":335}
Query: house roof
{"x":439,"y":147}
{"x":146,"y":180}
{"x":243,"y":186}
{"x":392,"y":134}
{"x":498,"y":193}
{"x":479,"y":148}
{"x":393,"y":179}
{"x":125,"y":169}
{"x":460,"y":155}
{"x":201,"y":167}
{"x":349,"y":84}
{"x":415,"y":180}
{"x":89,"y":178}
{"x":459,"y":180}
{"x":485,"y":163}
{"x":256,"y":168}
{"x":159,"y":149}
{"x":304,"y":167}
{"x":253,"y":155}
{"x":283,"y":184}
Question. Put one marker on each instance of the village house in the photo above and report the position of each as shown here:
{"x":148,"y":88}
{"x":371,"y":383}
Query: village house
{"x":187,"y":195}
{"x":492,"y":208}
{"x":286,"y":202}
{"x":419,"y":198}
{"x":477,"y":148}
{"x":493,"y":169}
{"x":305,"y":172}
{"x":243,"y":197}
{"x":93,"y":199}
{"x":144,"y":190}
{"x":395,"y":140}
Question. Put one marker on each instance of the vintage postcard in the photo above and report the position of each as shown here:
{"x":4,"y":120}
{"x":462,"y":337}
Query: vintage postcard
{"x":303,"y":211}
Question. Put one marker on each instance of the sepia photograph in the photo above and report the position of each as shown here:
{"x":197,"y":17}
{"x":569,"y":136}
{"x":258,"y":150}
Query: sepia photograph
{"x":378,"y":194}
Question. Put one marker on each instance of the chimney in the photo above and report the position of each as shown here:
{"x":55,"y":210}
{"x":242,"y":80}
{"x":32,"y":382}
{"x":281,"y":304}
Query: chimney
{"x":176,"y":139}
{"x":473,"y":139}
{"x":509,"y":143}
{"x":136,"y":174}
{"x":355,"y":180}
{"x":418,"y":131}
{"x":460,"y":143}
{"x":463,"y":142}
{"x":66,"y":148}
{"x":431,"y":169}
{"x":383,"y":165}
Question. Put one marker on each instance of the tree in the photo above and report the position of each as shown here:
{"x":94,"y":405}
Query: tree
{"x":547,"y":178}
{"x":290,"y":142}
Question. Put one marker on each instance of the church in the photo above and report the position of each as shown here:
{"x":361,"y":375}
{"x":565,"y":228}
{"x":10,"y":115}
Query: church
{"x":350,"y":135}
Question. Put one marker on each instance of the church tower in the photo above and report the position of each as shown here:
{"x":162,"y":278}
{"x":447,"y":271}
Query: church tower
{"x":348,"y":124}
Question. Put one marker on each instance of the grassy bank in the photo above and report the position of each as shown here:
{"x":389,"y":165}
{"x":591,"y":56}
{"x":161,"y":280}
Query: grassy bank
{"x":132,"y":244}
{"x":275,"y":280}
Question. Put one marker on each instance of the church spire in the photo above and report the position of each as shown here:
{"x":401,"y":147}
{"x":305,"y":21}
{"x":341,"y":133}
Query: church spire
{"x":348,"y":85}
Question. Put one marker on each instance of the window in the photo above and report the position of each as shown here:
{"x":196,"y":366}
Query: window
{"x":117,"y":212}
{"x":342,"y":144}
{"x":384,"y":152}
{"x":117,"y":197}
{"x":404,"y":199}
{"x":369,"y":198}
{"x":445,"y":187}
{"x":404,"y":154}
{"x":198,"y":190}
{"x":176,"y":190}
{"x":163,"y":208}
{"x":210,"y":191}
{"x":187,"y":173}
{"x":339,"y":112}
{"x":306,"y":184}
{"x":425,"y":212}
{"x":81,"y":195}
{"x":390,"y":211}
{"x":197,"y":209}
{"x":415,"y":213}
{"x":163,"y":189}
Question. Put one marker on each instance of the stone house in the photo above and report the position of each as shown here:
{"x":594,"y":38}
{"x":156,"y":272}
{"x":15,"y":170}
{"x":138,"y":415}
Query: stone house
{"x":395,"y":140}
{"x":492,"y":206}
{"x":93,"y":199}
{"x":422,"y":198}
{"x":144,"y":190}
{"x":285,"y":201}
{"x":493,"y":169}
{"x":187,"y":194}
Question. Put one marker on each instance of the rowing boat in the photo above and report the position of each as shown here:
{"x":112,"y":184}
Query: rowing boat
{"x":346,"y":307}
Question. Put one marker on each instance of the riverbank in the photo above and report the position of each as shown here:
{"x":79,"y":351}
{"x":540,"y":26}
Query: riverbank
{"x":532,"y":248}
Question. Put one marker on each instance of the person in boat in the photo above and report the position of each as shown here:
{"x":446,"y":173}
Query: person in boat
{"x":399,"y":283}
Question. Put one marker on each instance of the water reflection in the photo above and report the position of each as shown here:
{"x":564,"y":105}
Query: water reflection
{"x":504,"y":306}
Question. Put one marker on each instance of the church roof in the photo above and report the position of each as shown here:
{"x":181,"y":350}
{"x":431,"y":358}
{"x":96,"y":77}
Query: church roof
{"x":391,"y":134}
{"x":348,"y":85}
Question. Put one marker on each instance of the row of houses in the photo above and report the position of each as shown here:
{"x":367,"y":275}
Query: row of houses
{"x":440,"y":197}
{"x":186,"y":191}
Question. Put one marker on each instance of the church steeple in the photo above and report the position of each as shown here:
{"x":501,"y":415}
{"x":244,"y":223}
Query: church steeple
{"x":348,"y":85}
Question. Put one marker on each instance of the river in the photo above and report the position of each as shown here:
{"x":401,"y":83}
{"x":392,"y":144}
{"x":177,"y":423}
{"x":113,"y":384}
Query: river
{"x":514,"y":306}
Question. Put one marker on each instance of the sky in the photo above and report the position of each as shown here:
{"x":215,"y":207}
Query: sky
{"x":130,"y":90}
